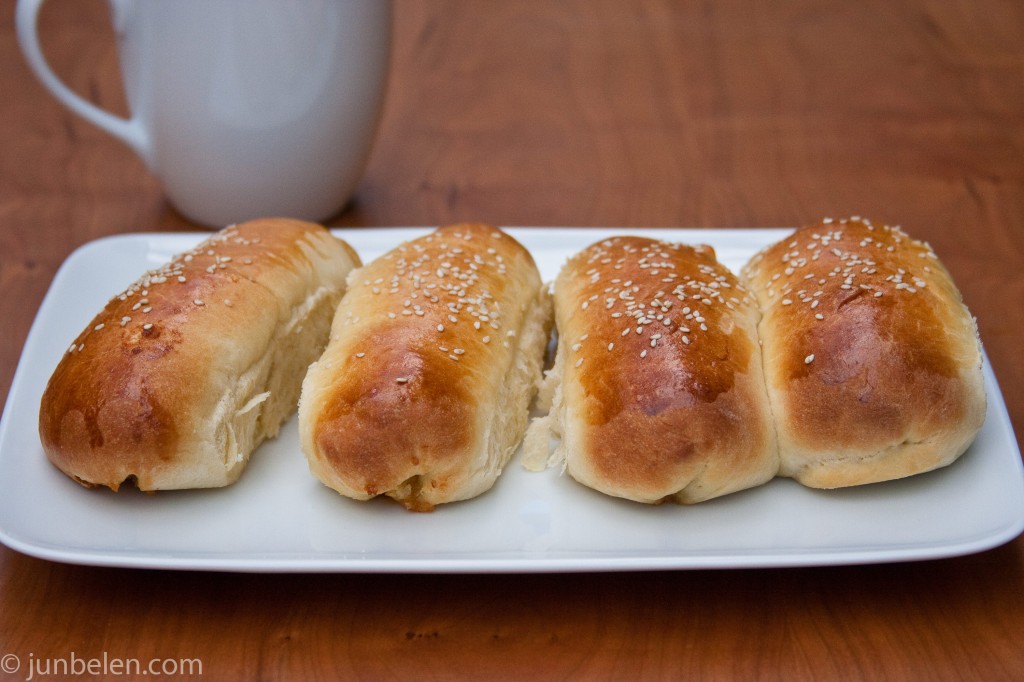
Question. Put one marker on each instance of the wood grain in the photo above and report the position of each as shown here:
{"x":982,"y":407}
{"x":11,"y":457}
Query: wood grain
{"x":649,"y":113}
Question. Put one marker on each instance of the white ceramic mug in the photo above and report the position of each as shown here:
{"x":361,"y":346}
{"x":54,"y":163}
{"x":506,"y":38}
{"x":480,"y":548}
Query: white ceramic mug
{"x":243,"y":108}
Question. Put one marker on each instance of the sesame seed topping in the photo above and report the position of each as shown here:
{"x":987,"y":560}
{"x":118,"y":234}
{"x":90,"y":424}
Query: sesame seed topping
{"x":440,"y":327}
{"x":199,"y":301}
{"x":147,"y":326}
{"x":402,"y":380}
{"x":98,"y":327}
{"x":809,"y":359}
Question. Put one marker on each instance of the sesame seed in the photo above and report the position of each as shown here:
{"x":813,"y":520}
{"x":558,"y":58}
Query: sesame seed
{"x":459,"y":351}
{"x":440,"y":327}
{"x":98,"y":327}
{"x":147,"y":326}
{"x":643,"y":353}
{"x":579,"y":362}
{"x":819,"y":316}
{"x":611,"y":345}
{"x":359,"y":355}
{"x":199,"y":301}
{"x":402,"y":380}
{"x":809,"y":359}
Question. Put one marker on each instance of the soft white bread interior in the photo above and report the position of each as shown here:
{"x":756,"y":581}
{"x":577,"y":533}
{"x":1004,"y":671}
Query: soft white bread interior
{"x":423,"y":392}
{"x":872,"y":361}
{"x":657,"y":392}
{"x":186,"y":372}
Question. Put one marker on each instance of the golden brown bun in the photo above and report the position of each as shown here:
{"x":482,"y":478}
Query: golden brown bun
{"x":180,"y":377}
{"x":423,"y":391}
{"x":872,"y":361}
{"x":659,"y":393}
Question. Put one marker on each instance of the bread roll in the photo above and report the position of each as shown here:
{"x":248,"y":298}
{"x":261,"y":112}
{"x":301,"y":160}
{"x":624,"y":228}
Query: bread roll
{"x":658,"y":392}
{"x":873,"y":363}
{"x":182,"y":375}
{"x":423,"y":391}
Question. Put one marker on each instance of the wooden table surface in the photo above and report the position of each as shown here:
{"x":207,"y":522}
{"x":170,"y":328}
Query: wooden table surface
{"x":575,"y":113}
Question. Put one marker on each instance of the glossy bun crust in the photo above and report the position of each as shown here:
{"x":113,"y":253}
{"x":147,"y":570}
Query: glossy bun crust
{"x":873,"y":363}
{"x":659,"y":393}
{"x":178,"y":379}
{"x":423,"y":392}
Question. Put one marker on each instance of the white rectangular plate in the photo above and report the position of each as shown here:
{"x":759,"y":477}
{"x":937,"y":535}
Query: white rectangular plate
{"x":279,"y":518}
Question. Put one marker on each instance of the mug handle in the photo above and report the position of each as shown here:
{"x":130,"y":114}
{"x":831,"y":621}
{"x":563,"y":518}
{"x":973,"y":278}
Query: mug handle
{"x":129,"y":131}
